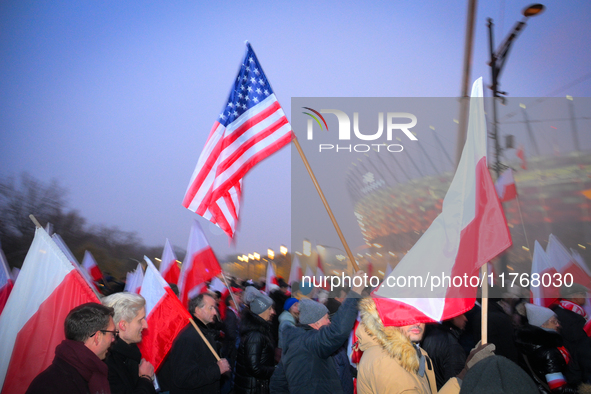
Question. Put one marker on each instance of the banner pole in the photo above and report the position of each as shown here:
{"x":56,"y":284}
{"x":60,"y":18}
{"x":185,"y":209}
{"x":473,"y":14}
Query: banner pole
{"x":484,"y":319}
{"x":325,"y":202}
{"x":204,"y":339}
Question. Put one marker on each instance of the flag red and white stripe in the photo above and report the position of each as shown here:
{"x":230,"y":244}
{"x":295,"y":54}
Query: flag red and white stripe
{"x":6,"y":281}
{"x":89,"y":264}
{"x":470,"y":231}
{"x":505,"y":186}
{"x":270,"y":278}
{"x":134,"y":279}
{"x":165,"y":316}
{"x":543,"y":295}
{"x":168,"y":266}
{"x":251,"y":127}
{"x":64,"y":248}
{"x":199,"y":266}
{"x":295,"y":272}
{"x":32,"y":323}
{"x":565,"y":263}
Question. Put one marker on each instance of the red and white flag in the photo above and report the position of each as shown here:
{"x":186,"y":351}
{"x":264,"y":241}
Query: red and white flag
{"x":199,"y":266}
{"x":134,"y":279}
{"x":6,"y":281}
{"x":505,"y":186}
{"x":320,"y":275}
{"x":543,"y":295}
{"x":295,"y":272}
{"x":470,"y":231}
{"x":89,"y":264}
{"x":250,"y":127}
{"x":64,"y":248}
{"x":165,"y":316}
{"x":168,"y":266}
{"x":270,"y":279}
{"x":565,"y":263}
{"x":32,"y":323}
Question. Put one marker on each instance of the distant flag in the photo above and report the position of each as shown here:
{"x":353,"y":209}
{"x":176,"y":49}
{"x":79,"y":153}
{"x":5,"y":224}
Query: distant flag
{"x":134,"y":280}
{"x":32,"y":323}
{"x":541,"y":265}
{"x":369,"y":269}
{"x":14,"y":273}
{"x":470,"y":231}
{"x":270,"y":279}
{"x":295,"y":272}
{"x":250,"y":127}
{"x":6,"y":281}
{"x":218,"y":285}
{"x":565,"y":263}
{"x":168,"y":266}
{"x":165,"y":316}
{"x":70,"y":256}
{"x":521,"y":155}
{"x":505,"y":186}
{"x":199,"y":266}
{"x":320,"y":275}
{"x":91,"y":267}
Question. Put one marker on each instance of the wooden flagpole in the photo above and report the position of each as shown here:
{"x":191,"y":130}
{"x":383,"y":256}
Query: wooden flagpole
{"x":229,"y":289}
{"x":484,"y":319}
{"x":319,"y":190}
{"x":204,"y":339}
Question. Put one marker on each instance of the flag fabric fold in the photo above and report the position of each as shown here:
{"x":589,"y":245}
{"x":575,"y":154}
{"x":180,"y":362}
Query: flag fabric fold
{"x":543,"y":295}
{"x":295,"y":272}
{"x":565,"y":263}
{"x":6,"y":281}
{"x":505,"y":186}
{"x":89,"y":264}
{"x":32,"y":323}
{"x":168,"y":266}
{"x":470,"y":231}
{"x":250,"y":127}
{"x":200,"y":265}
{"x":134,"y":279}
{"x":165,"y":316}
{"x":270,"y":279}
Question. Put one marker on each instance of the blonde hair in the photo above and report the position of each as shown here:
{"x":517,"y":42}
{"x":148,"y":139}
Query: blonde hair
{"x":126,"y":305}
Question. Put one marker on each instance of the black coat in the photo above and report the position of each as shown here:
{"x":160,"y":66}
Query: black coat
{"x":193,"y":368}
{"x":123,"y":361}
{"x":60,"y":377}
{"x":231,"y":335}
{"x":255,"y":361}
{"x":500,"y":331}
{"x":577,"y":343}
{"x":541,"y":350}
{"x":307,"y":365}
{"x":442,"y":344}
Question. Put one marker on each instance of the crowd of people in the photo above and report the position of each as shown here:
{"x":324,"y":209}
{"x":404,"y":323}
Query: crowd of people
{"x":284,"y":342}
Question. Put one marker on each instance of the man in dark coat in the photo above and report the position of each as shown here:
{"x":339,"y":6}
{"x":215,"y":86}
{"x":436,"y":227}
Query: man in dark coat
{"x":255,"y":362}
{"x":306,"y":365}
{"x":193,"y":367}
{"x":77,"y":366}
{"x":129,"y":373}
{"x":231,"y":340}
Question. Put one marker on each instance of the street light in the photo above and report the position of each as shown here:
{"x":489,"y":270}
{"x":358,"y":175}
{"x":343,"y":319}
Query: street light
{"x":497,"y":62}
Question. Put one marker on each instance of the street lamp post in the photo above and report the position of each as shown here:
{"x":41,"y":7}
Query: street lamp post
{"x":497,"y":62}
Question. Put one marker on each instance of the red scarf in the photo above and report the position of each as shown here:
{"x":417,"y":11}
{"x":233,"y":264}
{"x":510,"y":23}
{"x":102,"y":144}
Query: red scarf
{"x":571,"y":306}
{"x":92,"y":368}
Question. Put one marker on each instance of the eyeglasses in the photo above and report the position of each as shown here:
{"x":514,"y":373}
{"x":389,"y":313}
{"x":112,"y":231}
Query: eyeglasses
{"x":114,"y":332}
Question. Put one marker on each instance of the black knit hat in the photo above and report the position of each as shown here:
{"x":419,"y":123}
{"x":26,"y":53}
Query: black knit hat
{"x":497,"y":375}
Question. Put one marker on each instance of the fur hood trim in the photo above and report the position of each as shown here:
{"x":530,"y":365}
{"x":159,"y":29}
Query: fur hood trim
{"x":391,"y":339}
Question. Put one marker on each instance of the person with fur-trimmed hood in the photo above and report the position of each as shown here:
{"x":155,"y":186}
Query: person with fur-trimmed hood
{"x":392,"y":360}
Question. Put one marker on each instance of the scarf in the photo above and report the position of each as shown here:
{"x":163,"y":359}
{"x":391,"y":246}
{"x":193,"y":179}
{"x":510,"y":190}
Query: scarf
{"x":92,"y":369}
{"x":571,"y":306}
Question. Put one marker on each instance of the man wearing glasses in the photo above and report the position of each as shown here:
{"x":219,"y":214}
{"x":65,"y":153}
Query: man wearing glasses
{"x":128,"y":371}
{"x":78,"y":366}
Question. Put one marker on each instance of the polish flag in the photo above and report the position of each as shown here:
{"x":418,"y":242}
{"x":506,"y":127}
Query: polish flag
{"x":70,"y":256}
{"x":320,"y":273}
{"x":543,"y":295}
{"x":134,"y":279}
{"x":32,"y":323}
{"x":295,"y":273}
{"x":270,"y":279}
{"x":6,"y":282}
{"x":505,"y":186}
{"x":199,"y":266}
{"x":89,"y":264}
{"x":168,"y":266}
{"x":470,"y":231}
{"x":165,"y":316}
{"x":565,"y":263}
{"x":217,"y":284}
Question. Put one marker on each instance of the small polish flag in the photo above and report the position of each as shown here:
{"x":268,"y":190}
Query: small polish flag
{"x":505,"y":186}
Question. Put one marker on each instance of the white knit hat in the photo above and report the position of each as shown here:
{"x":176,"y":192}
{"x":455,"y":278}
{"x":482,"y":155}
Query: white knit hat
{"x":538,"y":315}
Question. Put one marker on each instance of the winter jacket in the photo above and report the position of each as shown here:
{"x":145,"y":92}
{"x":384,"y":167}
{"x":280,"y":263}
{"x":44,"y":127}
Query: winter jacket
{"x":390,"y":362}
{"x":307,"y":365}
{"x":545,"y":358}
{"x":123,"y":361}
{"x":255,"y":362}
{"x":444,"y":349}
{"x":193,"y":367}
{"x":577,"y":343}
{"x":285,"y":319}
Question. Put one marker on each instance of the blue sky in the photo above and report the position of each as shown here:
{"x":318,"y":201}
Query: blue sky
{"x":116,"y":99}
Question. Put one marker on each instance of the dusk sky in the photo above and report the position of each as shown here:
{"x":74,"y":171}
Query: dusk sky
{"x":116,"y":99}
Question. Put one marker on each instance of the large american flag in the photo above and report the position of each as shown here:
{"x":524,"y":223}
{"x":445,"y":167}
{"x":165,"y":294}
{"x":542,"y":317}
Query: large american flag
{"x":250,"y":127}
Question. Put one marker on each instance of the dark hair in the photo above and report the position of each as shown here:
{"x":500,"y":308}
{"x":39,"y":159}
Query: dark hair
{"x":198,"y":301}
{"x":86,"y":319}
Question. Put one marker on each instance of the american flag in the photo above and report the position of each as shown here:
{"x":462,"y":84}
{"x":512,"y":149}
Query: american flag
{"x":250,"y":127}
